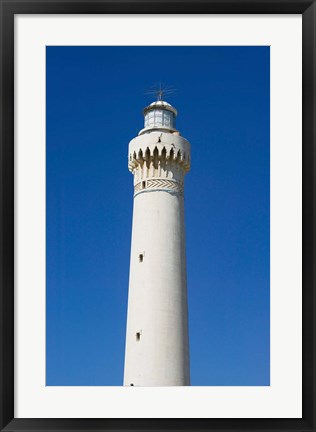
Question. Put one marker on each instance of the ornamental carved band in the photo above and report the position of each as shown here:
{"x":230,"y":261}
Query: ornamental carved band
{"x":159,"y":184}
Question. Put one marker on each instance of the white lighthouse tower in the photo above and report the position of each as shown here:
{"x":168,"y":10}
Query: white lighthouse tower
{"x":157,"y":342}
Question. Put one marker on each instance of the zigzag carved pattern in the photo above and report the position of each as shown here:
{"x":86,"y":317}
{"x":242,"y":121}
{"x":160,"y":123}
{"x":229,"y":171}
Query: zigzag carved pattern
{"x":164,"y":184}
{"x":138,"y":187}
{"x":160,"y":184}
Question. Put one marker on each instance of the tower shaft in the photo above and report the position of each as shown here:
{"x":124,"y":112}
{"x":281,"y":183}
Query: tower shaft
{"x":157,"y":343}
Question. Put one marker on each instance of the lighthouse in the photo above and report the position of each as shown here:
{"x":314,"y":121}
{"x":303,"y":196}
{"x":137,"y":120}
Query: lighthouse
{"x":157,"y":340}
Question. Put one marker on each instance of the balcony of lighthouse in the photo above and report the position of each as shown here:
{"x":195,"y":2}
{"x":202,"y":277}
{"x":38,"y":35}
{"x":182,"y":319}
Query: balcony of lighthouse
{"x":159,"y":155}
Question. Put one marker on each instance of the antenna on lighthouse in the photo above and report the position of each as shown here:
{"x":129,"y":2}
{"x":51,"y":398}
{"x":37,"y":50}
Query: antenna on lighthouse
{"x":160,"y":90}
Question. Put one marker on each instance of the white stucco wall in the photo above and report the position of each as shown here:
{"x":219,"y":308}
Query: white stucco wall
{"x":157,"y":302}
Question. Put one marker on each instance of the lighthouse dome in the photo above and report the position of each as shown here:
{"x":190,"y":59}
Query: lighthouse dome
{"x":160,"y":104}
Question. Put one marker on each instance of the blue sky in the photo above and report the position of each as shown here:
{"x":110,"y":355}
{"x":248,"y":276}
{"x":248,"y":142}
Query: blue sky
{"x":95,"y":97}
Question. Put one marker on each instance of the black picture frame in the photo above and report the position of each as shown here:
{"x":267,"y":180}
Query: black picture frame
{"x":8,"y":9}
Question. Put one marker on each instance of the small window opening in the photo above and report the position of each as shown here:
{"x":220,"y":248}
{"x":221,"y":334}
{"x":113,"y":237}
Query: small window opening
{"x":141,"y":257}
{"x":138,"y":336}
{"x":144,"y":184}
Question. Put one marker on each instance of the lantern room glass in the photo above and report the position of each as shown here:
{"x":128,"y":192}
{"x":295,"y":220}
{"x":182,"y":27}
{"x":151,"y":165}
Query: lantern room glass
{"x":159,"y":118}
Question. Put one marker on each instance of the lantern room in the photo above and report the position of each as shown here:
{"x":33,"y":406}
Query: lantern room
{"x":159,"y":115}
